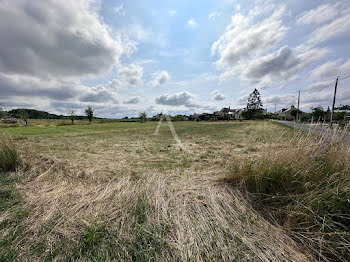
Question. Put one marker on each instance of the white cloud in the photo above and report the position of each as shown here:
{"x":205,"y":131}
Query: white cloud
{"x":336,"y":15}
{"x":192,"y":23}
{"x":242,"y":101}
{"x":333,"y":29}
{"x":13,"y":87}
{"x":98,"y":94}
{"x":119,"y":10}
{"x":243,"y":37}
{"x":132,"y":74}
{"x":216,"y":95}
{"x":281,"y":65}
{"x":172,"y":12}
{"x":159,"y":78}
{"x":281,"y":101}
{"x":331,"y":69}
{"x":55,"y":39}
{"x":138,"y":32}
{"x":114,"y":84}
{"x":319,"y":86}
{"x":134,"y":100}
{"x":213,"y":15}
{"x":320,"y":93}
{"x":177,"y":99}
{"x":142,"y":34}
{"x":319,"y":15}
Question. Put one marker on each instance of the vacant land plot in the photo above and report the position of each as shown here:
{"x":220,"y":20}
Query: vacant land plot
{"x":115,"y":191}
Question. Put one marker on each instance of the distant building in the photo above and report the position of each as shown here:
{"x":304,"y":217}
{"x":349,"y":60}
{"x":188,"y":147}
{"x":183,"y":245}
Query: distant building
{"x":229,"y":114}
{"x":285,"y":113}
{"x":226,"y":113}
{"x":8,"y":119}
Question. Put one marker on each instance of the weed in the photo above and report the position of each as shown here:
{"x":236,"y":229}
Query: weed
{"x":9,"y":158}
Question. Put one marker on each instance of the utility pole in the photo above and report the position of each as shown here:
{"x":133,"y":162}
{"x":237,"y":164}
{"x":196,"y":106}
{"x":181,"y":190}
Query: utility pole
{"x":275,"y":109}
{"x":298,"y":106}
{"x":335,"y":94}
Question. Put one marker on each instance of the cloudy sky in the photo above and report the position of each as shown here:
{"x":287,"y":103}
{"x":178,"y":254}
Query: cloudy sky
{"x":123,"y":57}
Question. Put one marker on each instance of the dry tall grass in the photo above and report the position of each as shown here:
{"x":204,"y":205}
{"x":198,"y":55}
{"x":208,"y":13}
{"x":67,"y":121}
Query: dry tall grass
{"x":305,"y":187}
{"x":131,"y":196}
{"x":154,"y":217}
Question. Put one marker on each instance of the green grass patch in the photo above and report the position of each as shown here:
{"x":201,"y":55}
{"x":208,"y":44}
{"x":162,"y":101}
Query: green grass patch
{"x":9,"y":158}
{"x":12,"y":230}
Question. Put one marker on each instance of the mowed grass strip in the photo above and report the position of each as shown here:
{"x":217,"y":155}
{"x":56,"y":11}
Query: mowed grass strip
{"x":50,"y":129}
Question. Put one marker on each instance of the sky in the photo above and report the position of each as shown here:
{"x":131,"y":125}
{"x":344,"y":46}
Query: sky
{"x":177,"y":57}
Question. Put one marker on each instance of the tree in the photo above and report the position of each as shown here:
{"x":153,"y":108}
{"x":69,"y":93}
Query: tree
{"x":254,"y":101}
{"x":22,"y":114}
{"x":294,"y":113}
{"x":304,"y":119}
{"x":254,"y":106}
{"x":317,"y":112}
{"x":71,"y":114}
{"x":143,"y":117}
{"x":343,"y":107}
{"x":258,"y":116}
{"x":89,"y":113}
{"x":248,"y":114}
{"x":2,"y":112}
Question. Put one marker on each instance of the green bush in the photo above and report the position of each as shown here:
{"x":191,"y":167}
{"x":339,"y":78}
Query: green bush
{"x":304,"y":119}
{"x":258,"y":116}
{"x":253,"y":114}
{"x":9,"y":158}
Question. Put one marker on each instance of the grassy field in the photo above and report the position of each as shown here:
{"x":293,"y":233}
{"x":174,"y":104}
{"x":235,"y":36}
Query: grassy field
{"x":114,"y":191}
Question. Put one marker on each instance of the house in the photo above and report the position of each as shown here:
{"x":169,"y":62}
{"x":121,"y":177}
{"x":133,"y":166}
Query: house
{"x":285,"y":113}
{"x":8,"y":119}
{"x":228,"y":113}
{"x":200,"y":117}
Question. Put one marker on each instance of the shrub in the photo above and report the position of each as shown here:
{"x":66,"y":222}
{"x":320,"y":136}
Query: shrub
{"x":304,"y":188}
{"x":304,"y":119}
{"x":258,"y":116}
{"x":9,"y":158}
{"x":252,"y":114}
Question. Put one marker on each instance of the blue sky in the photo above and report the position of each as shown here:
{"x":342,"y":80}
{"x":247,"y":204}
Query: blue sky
{"x":124,"y":57}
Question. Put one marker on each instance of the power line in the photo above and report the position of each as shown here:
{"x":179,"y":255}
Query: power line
{"x":330,"y":83}
{"x":345,"y":77}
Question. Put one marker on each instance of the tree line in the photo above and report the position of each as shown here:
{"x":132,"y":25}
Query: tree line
{"x":25,"y":114}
